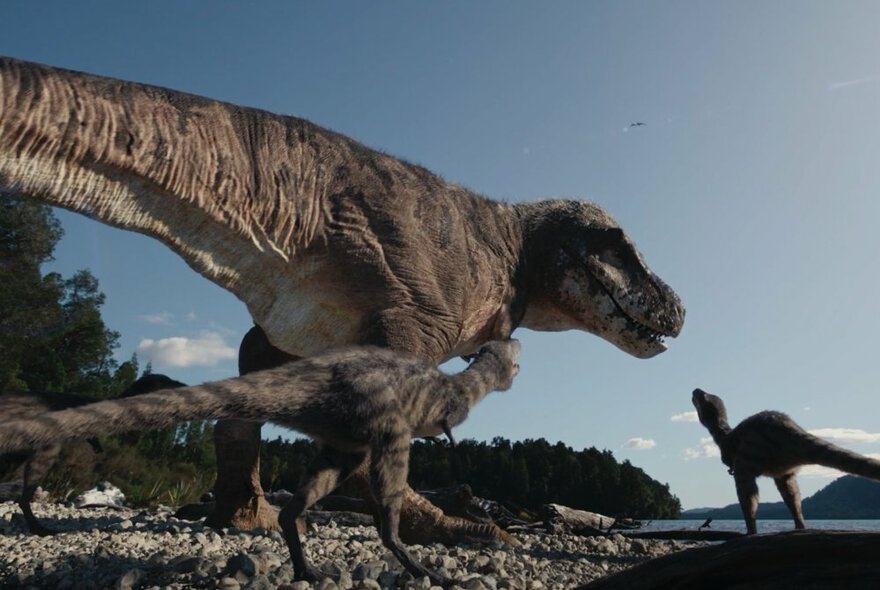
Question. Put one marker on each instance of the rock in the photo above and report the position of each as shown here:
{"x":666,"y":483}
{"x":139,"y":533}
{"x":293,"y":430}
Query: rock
{"x":104,"y":494}
{"x":129,"y":580}
{"x":387,"y":579}
{"x":423,"y":583}
{"x":241,"y":563}
{"x":260,"y":582}
{"x":228,"y":583}
{"x":368,"y":571}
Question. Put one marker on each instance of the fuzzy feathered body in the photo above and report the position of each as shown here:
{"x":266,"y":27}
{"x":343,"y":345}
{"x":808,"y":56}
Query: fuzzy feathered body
{"x":357,"y":402}
{"x":770,"y":443}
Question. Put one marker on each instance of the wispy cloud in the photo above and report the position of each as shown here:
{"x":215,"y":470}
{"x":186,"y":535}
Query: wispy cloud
{"x":684,"y":417}
{"x":853,"y":82}
{"x":207,"y":349}
{"x":640,"y":444}
{"x":706,"y":449}
{"x":162,"y":318}
{"x":846,"y":435}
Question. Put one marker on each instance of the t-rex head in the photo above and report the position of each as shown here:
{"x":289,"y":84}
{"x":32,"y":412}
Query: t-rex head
{"x":585,"y":273}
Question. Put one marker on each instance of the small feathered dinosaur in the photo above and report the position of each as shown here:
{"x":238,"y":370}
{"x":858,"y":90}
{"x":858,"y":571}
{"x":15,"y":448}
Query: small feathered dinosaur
{"x":772,"y":444}
{"x":361,"y":404}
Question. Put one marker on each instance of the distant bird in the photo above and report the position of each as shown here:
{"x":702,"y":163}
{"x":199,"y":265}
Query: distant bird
{"x":637,"y":124}
{"x":705,"y":525}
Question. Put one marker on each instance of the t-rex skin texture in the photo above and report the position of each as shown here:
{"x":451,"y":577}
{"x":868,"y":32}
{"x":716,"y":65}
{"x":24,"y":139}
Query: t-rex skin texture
{"x":327,"y":242}
{"x":38,"y":462}
{"x":357,"y":402}
{"x":772,"y":444}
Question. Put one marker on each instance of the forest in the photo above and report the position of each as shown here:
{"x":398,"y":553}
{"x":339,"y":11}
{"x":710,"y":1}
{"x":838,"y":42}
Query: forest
{"x":53,"y":338}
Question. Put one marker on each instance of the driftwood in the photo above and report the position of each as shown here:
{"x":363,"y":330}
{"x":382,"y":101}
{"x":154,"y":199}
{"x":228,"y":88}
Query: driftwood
{"x":557,"y":516}
{"x":684,"y":535}
{"x":798,"y":560}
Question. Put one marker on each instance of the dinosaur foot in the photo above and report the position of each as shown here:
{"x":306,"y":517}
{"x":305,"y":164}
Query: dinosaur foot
{"x":423,"y":523}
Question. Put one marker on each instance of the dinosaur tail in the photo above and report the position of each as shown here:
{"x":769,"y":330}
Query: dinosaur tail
{"x":830,"y":455}
{"x":165,"y":407}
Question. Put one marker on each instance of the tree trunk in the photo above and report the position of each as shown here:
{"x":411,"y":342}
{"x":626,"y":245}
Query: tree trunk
{"x":796,"y":560}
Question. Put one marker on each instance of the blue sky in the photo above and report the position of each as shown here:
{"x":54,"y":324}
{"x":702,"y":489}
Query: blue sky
{"x":752,"y":190}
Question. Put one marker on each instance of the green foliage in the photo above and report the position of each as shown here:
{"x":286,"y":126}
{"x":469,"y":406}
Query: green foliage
{"x":52,"y":337}
{"x":171,"y":466}
{"x":526,"y":474}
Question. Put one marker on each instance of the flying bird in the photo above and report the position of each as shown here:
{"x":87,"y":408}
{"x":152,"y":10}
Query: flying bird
{"x":637,"y":124}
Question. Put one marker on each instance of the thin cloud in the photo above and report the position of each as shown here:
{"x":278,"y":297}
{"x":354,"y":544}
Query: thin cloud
{"x":205,"y":350}
{"x":705,"y":450}
{"x":684,"y":417}
{"x":846,"y":435}
{"x":162,"y":318}
{"x":854,"y":82}
{"x":640,"y":444}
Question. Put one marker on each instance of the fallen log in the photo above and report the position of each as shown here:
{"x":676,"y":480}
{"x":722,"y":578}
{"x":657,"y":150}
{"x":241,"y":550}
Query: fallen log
{"x":685,"y":535}
{"x":801,"y":560}
{"x":557,"y":516}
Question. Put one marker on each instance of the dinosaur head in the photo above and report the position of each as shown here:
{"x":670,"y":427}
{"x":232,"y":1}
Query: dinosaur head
{"x":585,"y":273}
{"x":710,"y":408}
{"x":501,"y":354}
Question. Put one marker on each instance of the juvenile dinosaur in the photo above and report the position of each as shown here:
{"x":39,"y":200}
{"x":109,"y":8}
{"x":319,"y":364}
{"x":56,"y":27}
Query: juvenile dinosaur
{"x":362,"y":404}
{"x":36,"y":463}
{"x":772,"y":444}
{"x":327,"y":242}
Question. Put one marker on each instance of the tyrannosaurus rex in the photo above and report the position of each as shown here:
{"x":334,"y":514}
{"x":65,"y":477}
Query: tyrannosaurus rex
{"x":326,"y":241}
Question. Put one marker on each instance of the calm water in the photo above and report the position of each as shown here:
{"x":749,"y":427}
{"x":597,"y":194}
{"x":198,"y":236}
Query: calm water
{"x":764,"y":526}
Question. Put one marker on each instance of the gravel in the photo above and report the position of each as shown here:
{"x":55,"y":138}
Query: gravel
{"x":123,"y":548}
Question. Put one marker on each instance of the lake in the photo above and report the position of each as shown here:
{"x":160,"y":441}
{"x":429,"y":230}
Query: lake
{"x":764,"y":526}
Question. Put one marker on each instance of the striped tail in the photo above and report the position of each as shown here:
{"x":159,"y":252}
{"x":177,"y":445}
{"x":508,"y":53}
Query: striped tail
{"x":161,"y":408}
{"x":830,"y":455}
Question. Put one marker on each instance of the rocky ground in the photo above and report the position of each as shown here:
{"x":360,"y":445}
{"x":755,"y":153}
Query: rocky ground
{"x":126,"y":548}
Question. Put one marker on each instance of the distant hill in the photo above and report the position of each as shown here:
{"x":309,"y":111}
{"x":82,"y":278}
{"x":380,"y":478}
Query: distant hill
{"x":847,"y":497}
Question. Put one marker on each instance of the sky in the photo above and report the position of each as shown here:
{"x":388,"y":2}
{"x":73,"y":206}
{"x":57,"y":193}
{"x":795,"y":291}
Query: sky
{"x":752,"y":188}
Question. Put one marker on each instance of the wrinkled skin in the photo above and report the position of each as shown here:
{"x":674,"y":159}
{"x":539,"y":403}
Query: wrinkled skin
{"x":327,"y":242}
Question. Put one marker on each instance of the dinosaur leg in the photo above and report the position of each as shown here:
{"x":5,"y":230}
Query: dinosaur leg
{"x":389,"y":466}
{"x":791,"y":495}
{"x":35,"y":470}
{"x":328,"y":471}
{"x":238,"y":496}
{"x":747,"y":492}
